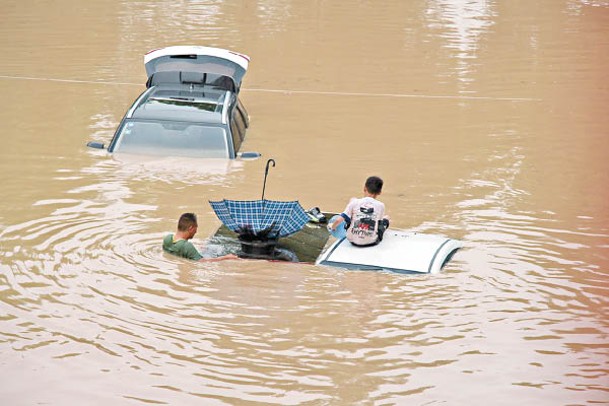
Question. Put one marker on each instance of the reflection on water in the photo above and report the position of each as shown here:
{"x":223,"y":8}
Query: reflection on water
{"x":93,"y":312}
{"x":273,"y":15}
{"x":463,"y":24}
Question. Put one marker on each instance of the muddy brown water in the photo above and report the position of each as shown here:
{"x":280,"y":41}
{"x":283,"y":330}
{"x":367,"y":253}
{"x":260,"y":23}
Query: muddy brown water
{"x":487,"y":120}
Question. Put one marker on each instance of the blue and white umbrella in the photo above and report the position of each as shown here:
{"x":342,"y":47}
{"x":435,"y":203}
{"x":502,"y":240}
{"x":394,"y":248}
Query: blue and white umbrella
{"x":267,"y":218}
{"x":261,"y":219}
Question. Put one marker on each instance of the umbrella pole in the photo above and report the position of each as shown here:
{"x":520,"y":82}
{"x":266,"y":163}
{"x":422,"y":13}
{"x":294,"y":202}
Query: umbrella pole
{"x":266,"y":172}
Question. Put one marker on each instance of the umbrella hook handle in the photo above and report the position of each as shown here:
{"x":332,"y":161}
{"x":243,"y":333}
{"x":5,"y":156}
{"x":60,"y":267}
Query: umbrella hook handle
{"x":266,"y":172}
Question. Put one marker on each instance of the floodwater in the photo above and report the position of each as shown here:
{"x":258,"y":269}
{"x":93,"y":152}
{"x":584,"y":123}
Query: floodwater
{"x":487,"y":120}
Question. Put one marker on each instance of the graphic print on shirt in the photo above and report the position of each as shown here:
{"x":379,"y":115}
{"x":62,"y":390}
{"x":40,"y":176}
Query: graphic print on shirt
{"x":363,"y":225}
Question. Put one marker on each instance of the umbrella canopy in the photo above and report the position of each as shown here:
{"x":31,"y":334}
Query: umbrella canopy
{"x":266,"y":218}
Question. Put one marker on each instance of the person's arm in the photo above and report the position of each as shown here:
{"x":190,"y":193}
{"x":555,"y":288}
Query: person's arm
{"x":222,"y":258}
{"x":344,"y":216}
{"x":385,"y":215}
{"x":341,"y":219}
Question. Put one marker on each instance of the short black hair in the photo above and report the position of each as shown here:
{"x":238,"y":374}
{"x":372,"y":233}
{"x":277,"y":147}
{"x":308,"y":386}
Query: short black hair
{"x":374,"y":185}
{"x":186,"y":221}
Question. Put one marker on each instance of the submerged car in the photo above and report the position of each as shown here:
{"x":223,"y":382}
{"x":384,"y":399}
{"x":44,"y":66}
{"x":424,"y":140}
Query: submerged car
{"x":190,"y":108}
{"x":401,"y":251}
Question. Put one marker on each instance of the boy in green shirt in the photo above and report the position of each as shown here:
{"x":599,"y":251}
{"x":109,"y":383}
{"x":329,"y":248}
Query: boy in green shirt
{"x":178,"y":244}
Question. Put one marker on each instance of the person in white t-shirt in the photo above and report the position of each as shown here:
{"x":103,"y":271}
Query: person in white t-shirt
{"x":365,"y":217}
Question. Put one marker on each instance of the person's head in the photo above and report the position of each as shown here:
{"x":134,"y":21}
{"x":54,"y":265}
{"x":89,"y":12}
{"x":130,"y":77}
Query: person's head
{"x":374,"y":185}
{"x":187,"y":224}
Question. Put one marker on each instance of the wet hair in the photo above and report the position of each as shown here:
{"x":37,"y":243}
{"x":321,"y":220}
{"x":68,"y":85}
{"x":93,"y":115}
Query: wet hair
{"x":374,"y":185}
{"x":186,"y":221}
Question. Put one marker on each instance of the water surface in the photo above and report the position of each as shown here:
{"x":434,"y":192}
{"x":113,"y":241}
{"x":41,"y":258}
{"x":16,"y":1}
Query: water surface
{"x":486,"y":119}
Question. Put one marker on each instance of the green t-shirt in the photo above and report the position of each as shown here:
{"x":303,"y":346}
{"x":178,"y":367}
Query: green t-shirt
{"x":181,"y":248}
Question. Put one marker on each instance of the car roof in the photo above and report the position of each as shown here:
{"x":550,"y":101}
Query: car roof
{"x":183,"y":103}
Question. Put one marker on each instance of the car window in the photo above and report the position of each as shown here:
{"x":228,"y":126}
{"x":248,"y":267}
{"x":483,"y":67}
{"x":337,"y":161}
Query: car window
{"x":172,"y":139}
{"x":240,"y":123}
{"x":235,"y":134}
{"x":181,"y":104}
{"x":241,"y":109}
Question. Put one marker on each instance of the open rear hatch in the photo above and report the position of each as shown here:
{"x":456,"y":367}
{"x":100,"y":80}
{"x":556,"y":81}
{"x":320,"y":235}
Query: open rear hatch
{"x":196,"y":65}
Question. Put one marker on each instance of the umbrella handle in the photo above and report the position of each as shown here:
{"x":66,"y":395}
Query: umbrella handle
{"x":266,"y":172}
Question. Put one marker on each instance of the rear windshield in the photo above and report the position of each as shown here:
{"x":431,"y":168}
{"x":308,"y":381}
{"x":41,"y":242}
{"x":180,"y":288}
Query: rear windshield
{"x":172,"y":139}
{"x":182,"y":103}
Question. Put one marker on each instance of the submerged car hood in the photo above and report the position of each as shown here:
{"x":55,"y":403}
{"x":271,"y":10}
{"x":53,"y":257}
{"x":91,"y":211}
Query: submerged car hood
{"x":197,"y":59}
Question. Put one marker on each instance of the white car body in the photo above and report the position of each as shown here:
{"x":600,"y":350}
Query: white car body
{"x":400,"y":251}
